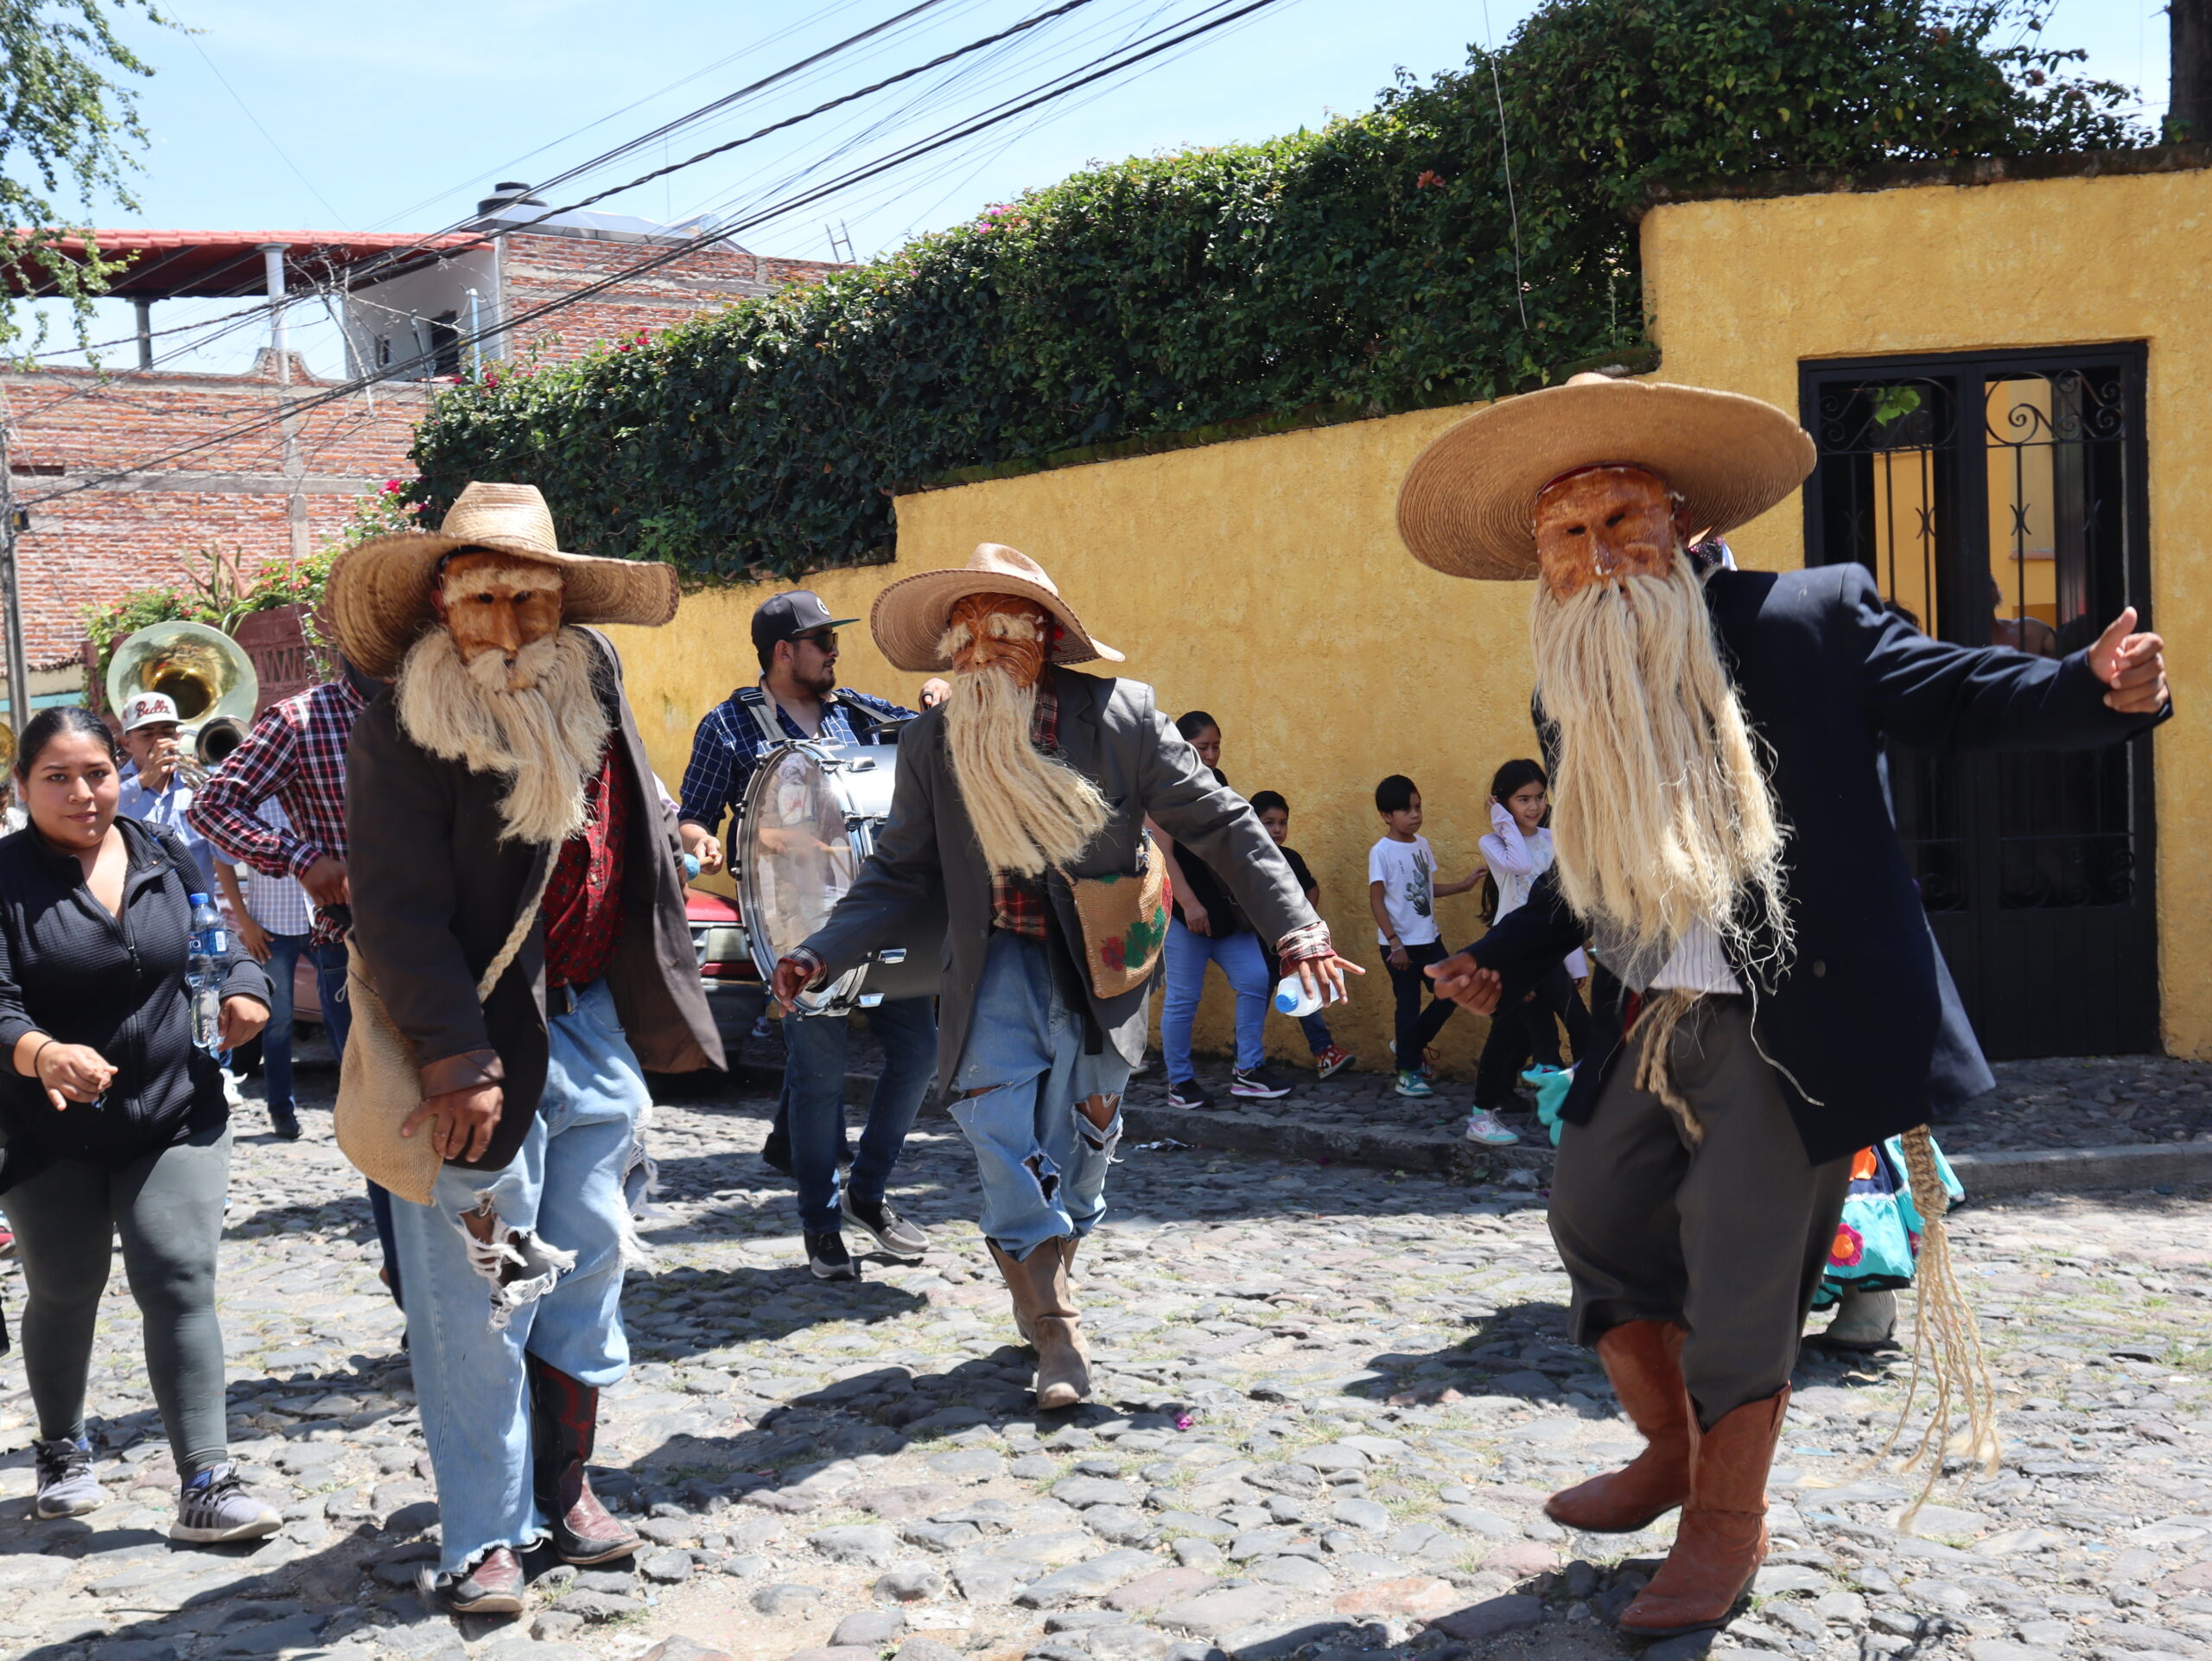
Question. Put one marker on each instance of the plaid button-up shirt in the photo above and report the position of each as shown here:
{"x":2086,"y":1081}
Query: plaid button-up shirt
{"x":729,"y":744}
{"x":296,"y":753}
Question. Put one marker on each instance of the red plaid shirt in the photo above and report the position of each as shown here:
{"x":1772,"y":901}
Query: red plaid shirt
{"x":296,"y":753}
{"x":1018,"y":903}
{"x":583,"y":896}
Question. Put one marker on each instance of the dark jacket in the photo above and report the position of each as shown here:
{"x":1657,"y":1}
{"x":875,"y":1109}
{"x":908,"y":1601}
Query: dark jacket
{"x":436,"y":892}
{"x":70,"y":970}
{"x":1195,"y":879}
{"x":1865,"y":1026}
{"x":927,"y":856}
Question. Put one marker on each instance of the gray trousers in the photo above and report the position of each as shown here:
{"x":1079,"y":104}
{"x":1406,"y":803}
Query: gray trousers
{"x":1727,"y":1237}
{"x":168,"y":1208}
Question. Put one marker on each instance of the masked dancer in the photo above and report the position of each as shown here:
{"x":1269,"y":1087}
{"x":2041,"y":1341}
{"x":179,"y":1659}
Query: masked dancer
{"x":1021,"y":800}
{"x":1721,"y":827}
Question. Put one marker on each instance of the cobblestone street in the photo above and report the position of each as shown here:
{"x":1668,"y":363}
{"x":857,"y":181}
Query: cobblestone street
{"x":1331,"y":1400}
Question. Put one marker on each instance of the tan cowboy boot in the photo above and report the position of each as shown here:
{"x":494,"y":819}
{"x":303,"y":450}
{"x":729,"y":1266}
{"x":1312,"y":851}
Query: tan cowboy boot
{"x":1721,"y":1540}
{"x":1643,"y":1360}
{"x":1044,"y":1311}
{"x":1010,"y":1268}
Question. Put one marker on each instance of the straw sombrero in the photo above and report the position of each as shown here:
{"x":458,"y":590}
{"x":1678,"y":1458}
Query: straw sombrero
{"x":1467,"y":507}
{"x":378,"y":596}
{"x":909,"y":617}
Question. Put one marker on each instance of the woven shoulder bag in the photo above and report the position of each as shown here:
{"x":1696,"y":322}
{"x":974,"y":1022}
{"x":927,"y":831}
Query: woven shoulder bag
{"x":380,"y":1084}
{"x":1124,"y":921}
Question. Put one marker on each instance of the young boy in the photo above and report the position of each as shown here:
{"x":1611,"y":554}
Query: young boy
{"x":1402,"y":892}
{"x":1274,"y":814}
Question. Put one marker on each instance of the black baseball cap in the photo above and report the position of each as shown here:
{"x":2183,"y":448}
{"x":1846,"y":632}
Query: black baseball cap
{"x":788,"y":616}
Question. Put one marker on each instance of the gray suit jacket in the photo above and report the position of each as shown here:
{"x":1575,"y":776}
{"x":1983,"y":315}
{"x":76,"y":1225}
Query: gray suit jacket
{"x":1110,"y":732}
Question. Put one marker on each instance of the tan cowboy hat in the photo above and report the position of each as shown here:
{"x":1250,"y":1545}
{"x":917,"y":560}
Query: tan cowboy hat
{"x":909,"y":617}
{"x":379,"y":597}
{"x":1468,"y":504}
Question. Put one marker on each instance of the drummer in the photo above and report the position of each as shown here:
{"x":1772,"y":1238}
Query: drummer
{"x":796,"y":697}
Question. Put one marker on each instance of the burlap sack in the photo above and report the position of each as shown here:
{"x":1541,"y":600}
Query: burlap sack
{"x":380,"y":1085}
{"x":1124,"y":922}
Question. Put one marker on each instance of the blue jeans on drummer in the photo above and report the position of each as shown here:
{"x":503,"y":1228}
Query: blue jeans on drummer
{"x":284,"y":953}
{"x":1245,"y":963}
{"x":814,"y":1102}
{"x":559,"y":1206}
{"x":1024,"y":1070}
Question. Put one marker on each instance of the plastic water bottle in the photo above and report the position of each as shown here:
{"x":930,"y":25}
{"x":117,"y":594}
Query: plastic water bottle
{"x":203,"y":973}
{"x":1294,"y":1000}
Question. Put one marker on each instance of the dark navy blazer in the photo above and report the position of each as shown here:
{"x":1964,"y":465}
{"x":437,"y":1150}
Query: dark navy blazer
{"x":1864,"y":1024}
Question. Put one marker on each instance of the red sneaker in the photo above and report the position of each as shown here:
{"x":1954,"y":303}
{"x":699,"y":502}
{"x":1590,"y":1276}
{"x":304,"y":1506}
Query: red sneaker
{"x":1332,"y":1061}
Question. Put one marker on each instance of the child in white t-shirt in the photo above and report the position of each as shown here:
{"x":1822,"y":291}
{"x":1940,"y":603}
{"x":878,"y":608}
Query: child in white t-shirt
{"x":1402,"y":892}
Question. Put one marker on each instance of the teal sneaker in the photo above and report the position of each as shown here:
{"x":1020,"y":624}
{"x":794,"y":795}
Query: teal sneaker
{"x":1412,"y":1083}
{"x":1483,"y":1128}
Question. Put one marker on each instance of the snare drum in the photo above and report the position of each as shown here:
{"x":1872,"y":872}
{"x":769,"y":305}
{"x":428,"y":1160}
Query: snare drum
{"x":810,"y":817}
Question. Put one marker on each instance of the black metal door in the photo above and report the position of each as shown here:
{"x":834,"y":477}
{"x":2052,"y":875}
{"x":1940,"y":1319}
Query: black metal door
{"x":2000,"y":499}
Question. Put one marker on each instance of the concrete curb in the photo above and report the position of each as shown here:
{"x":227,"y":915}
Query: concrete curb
{"x":2070,"y":1170}
{"x":2141,"y":1165}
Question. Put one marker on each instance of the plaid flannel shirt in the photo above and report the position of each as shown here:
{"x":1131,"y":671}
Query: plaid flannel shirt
{"x":1018,"y":904}
{"x":296,"y":753}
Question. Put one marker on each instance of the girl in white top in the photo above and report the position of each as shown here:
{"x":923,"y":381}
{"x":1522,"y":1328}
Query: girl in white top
{"x":1518,"y":849}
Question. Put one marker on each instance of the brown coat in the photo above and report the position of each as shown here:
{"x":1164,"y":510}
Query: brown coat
{"x":436,"y":892}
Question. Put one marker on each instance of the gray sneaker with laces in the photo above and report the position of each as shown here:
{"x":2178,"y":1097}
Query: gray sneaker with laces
{"x":66,"y":1488}
{"x":215,"y":1506}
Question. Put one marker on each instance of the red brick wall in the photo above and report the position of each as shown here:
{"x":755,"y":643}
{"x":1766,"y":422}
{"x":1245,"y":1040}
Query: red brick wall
{"x":536,"y":269}
{"x":87,"y":547}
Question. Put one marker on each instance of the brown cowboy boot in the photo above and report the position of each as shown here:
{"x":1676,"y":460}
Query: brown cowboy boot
{"x":1643,"y":1360}
{"x":1045,"y":1313}
{"x":564,"y":1423}
{"x":493,"y":1587}
{"x":1722,"y":1537}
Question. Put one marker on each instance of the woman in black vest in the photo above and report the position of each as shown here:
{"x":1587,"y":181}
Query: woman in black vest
{"x":114,"y":1121}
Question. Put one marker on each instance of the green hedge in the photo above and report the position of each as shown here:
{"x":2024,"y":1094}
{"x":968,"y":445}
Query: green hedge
{"x":1363,"y":269}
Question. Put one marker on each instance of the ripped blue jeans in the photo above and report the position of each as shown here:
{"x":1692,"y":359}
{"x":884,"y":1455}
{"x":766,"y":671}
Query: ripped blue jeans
{"x":1042,"y":1161}
{"x":549,"y":1283}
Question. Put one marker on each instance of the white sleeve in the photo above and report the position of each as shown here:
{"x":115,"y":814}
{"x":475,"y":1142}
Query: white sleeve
{"x":1377,"y":870}
{"x":1506,"y":849}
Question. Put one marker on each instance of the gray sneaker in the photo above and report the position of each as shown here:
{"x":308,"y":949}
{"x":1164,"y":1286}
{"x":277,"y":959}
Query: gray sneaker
{"x":66,"y":1488}
{"x":895,"y":1233}
{"x":214,"y":1507}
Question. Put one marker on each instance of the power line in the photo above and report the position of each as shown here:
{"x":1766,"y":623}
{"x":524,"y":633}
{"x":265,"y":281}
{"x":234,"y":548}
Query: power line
{"x":676,"y":251}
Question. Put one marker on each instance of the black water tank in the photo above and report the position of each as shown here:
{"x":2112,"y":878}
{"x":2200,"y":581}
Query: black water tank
{"x":508,"y":193}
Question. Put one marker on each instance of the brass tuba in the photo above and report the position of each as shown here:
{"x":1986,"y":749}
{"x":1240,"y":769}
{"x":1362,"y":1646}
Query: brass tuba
{"x":204,"y":671}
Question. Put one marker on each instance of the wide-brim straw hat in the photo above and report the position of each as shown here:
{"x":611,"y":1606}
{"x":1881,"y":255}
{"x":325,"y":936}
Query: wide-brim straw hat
{"x":909,"y":618}
{"x":1468,"y":504}
{"x":378,"y":596}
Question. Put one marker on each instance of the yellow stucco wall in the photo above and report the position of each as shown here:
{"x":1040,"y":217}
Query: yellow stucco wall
{"x":1261,"y":580}
{"x":1742,"y":291}
{"x":1264,"y":581}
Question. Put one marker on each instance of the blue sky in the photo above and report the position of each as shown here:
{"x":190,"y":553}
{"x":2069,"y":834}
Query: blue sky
{"x":315,"y":114}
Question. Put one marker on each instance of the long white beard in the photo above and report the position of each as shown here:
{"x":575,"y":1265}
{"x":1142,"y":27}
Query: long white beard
{"x":1662,"y":815}
{"x":1030,"y":812}
{"x":546,"y":739}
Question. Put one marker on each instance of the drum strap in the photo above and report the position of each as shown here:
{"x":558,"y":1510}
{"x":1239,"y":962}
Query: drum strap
{"x":762,"y":709}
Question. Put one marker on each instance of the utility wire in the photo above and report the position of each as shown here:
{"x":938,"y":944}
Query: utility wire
{"x":667,"y":256}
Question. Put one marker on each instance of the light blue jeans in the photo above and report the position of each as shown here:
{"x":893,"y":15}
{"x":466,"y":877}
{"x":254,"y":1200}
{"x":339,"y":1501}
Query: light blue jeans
{"x":1245,"y":964}
{"x":556,"y":1293}
{"x":1042,"y":1161}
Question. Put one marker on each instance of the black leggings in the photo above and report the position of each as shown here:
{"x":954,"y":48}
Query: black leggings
{"x":1417,"y":1027}
{"x":168,"y":1207}
{"x":1525,"y":1030}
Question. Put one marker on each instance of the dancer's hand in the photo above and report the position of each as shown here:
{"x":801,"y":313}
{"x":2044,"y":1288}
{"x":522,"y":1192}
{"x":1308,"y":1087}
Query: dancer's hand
{"x":793,"y":977}
{"x":72,"y":1072}
{"x":1466,"y":982}
{"x":1195,"y":917}
{"x":2133,"y":666}
{"x":1323,"y":977}
{"x":242,"y":1018}
{"x":461,"y":1121}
